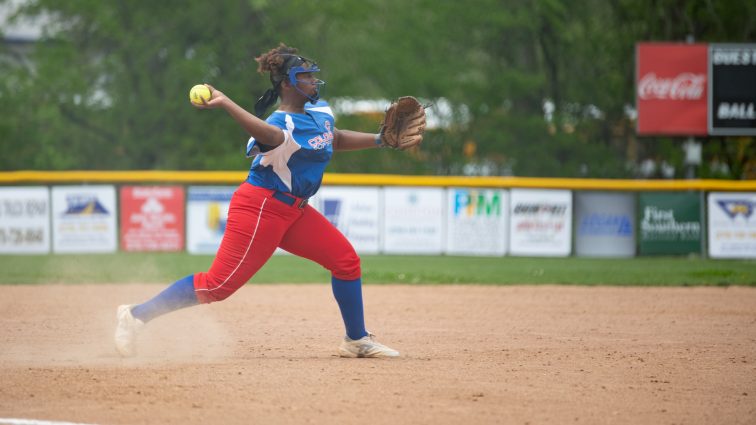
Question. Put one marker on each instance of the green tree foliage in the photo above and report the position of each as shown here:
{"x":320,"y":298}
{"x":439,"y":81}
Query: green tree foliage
{"x":536,"y":88}
{"x":109,"y":90}
{"x":704,"y":21}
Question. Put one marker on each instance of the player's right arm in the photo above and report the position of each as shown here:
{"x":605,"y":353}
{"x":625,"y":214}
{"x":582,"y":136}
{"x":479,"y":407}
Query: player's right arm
{"x":263,"y":132}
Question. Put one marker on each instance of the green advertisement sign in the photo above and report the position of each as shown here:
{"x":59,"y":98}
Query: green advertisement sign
{"x":669,"y":223}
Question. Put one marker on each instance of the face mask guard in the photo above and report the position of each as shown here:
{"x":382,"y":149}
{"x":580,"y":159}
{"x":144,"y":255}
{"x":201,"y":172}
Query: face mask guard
{"x":293,"y":65}
{"x":299,"y":65}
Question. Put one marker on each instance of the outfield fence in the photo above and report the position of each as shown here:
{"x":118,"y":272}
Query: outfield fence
{"x":234,"y":177}
{"x":108,"y":211}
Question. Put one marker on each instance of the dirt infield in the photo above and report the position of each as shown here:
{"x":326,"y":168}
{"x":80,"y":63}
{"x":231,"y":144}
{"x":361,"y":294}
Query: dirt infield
{"x":471,"y":354}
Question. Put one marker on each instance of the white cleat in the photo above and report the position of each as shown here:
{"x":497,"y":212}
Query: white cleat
{"x":126,"y":331}
{"x":366,"y":346}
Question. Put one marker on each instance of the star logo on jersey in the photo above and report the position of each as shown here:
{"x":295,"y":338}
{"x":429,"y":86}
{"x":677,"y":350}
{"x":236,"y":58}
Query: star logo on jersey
{"x":735,"y":207}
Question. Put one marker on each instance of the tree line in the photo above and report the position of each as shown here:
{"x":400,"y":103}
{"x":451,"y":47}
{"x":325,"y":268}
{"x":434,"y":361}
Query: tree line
{"x":535,"y":88}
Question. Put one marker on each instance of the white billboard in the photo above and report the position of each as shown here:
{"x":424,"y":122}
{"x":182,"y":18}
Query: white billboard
{"x":540,"y":222}
{"x":206,"y":215}
{"x":477,"y":221}
{"x":732,"y":224}
{"x":355,"y":211}
{"x":24,"y":220}
{"x":84,"y":219}
{"x":413,"y":220}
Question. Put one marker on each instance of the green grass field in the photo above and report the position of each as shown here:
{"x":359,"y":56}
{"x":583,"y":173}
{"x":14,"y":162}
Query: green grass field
{"x":167,"y":267}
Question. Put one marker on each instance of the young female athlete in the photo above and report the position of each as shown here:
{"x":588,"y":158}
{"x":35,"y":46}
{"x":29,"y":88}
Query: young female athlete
{"x":269,"y":210}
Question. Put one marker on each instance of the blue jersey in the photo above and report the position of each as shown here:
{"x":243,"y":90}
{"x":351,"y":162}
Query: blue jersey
{"x":296,"y":166}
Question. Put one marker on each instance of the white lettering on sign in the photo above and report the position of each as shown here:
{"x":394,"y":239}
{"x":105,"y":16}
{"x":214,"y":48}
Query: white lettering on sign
{"x":684,"y":86}
{"x":734,"y":57}
{"x":737,"y":111}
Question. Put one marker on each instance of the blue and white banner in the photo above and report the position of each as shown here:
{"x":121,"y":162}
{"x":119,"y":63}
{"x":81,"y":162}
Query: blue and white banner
{"x":604,"y":224}
{"x":732,"y":224}
{"x":477,"y":221}
{"x":24,"y":220}
{"x":355,"y":211}
{"x":206,"y":216}
{"x":84,"y":219}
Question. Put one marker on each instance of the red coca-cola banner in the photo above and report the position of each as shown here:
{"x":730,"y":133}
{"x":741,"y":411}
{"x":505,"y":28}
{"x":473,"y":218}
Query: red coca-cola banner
{"x":671,"y":89}
{"x":152,"y":218}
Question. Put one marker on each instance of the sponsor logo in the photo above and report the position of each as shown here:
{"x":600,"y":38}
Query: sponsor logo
{"x":598,"y":224}
{"x":660,"y":224}
{"x":153,"y":215}
{"x":415,"y":205}
{"x":323,"y":140}
{"x":540,"y":208}
{"x":332,"y":210}
{"x":473,"y":203}
{"x":152,"y":206}
{"x":684,"y":86}
{"x":215,"y":220}
{"x":84,"y":205}
{"x":735,"y":207}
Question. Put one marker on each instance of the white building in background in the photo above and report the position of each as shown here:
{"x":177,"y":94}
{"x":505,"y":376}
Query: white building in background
{"x":17,"y":37}
{"x":20,"y":31}
{"x":440,"y":112}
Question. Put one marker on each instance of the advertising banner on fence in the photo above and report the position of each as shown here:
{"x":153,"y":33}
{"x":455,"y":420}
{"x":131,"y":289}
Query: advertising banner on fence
{"x":152,"y":218}
{"x":355,"y":211}
{"x":413,"y":220}
{"x":206,"y":214}
{"x":732,"y":89}
{"x":540,"y":222}
{"x":604,"y":223}
{"x":732,"y":225}
{"x":477,"y":221}
{"x":84,"y":219}
{"x":671,"y":88}
{"x":670,"y":223}
{"x":24,"y":220}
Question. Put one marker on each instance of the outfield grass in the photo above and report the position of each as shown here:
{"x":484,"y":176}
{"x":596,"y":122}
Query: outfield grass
{"x":167,"y":267}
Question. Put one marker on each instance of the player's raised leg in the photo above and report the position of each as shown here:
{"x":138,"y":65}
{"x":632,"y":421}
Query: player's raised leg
{"x":333,"y":251}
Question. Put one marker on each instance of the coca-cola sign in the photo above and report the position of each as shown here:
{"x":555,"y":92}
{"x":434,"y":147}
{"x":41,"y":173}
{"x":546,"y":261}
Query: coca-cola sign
{"x":684,"y":86}
{"x":671,"y":89}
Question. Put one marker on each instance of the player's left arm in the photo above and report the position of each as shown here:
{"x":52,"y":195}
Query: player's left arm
{"x":348,"y":140}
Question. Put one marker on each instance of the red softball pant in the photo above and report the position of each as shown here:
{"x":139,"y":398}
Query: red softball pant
{"x":258,"y":224}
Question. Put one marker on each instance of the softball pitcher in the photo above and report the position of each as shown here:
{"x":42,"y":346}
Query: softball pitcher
{"x":270,"y":209}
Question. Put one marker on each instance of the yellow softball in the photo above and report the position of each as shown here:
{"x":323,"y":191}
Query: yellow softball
{"x":199,"y":92}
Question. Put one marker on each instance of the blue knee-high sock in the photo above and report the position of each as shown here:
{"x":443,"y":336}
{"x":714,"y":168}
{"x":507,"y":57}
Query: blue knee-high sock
{"x":348,"y":294}
{"x":179,"y":295}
